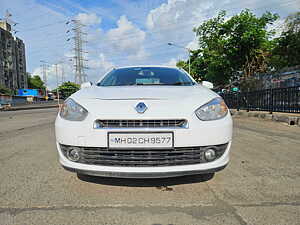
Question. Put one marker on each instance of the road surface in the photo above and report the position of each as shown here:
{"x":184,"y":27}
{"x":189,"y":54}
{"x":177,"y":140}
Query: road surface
{"x":261,"y":185}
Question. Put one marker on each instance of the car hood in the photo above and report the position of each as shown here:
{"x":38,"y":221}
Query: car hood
{"x":162,"y":101}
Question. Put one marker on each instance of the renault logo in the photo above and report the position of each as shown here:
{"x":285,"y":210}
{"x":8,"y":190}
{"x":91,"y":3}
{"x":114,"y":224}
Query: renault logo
{"x":141,"y":107}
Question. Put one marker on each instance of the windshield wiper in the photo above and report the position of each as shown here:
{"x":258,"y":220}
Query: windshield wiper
{"x":150,"y":84}
{"x":155,"y":84}
{"x":182,"y":83}
{"x":165,"y":84}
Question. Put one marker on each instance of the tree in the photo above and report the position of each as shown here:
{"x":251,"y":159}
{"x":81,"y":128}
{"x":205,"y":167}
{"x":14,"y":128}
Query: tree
{"x":287,"y":47}
{"x":5,"y":91}
{"x":35,"y":82}
{"x":67,"y":88}
{"x":240,"y":43}
{"x":182,"y":64}
{"x":196,"y":64}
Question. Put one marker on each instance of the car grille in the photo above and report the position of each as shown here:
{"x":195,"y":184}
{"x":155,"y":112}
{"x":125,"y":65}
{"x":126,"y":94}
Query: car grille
{"x":140,"y":123}
{"x":144,"y":158}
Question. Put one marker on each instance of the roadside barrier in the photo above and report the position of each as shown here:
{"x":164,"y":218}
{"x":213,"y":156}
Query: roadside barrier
{"x":271,"y":100}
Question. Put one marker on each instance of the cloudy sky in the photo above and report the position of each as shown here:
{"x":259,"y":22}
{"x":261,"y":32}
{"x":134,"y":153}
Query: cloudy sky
{"x":119,"y":32}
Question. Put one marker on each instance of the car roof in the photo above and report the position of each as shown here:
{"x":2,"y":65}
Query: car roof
{"x":158,"y":66}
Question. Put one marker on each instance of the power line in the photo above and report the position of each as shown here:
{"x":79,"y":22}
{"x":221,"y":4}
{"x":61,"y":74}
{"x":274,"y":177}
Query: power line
{"x":43,"y":26}
{"x":170,"y":26}
{"x":166,"y":26}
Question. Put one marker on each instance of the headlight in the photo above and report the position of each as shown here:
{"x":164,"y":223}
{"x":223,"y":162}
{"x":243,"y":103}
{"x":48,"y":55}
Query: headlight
{"x":71,"y":110}
{"x":213,"y":110}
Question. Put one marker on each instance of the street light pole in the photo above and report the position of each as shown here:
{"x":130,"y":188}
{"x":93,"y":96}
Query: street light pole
{"x":187,"y":49}
{"x":57,"y":89}
{"x":189,"y":62}
{"x":45,"y":66}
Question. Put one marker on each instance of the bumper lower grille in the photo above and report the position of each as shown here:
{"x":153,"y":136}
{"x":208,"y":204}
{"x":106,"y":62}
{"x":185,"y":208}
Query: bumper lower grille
{"x":144,"y":158}
{"x":140,"y":123}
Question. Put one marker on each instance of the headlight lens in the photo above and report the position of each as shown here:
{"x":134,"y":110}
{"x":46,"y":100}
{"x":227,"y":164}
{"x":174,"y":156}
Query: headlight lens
{"x":213,"y":110}
{"x":72,"y":111}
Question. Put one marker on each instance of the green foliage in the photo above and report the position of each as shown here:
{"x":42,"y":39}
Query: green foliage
{"x":35,"y":82}
{"x":286,"y":52}
{"x":243,"y":44}
{"x":183,"y":65}
{"x":240,"y":43}
{"x":67,"y":89}
{"x":6,"y":91}
{"x":196,"y":65}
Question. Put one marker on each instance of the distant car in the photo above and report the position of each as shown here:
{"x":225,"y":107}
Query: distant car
{"x":50,"y":98}
{"x":144,"y":122}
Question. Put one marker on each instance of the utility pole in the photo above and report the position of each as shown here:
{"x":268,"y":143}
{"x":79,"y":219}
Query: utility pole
{"x":80,"y":76}
{"x":45,"y":67}
{"x":57,"y":83}
{"x":62,"y":68}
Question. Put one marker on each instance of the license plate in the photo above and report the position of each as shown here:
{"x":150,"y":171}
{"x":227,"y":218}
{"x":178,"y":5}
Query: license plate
{"x":140,"y":140}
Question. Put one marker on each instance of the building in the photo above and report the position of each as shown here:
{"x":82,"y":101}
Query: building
{"x":12,"y":59}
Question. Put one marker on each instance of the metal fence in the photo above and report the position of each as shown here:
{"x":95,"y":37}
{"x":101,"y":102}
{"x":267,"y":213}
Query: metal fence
{"x":272,"y":100}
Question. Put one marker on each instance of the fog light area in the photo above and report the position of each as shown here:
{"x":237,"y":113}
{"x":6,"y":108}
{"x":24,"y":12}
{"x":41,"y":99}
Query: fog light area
{"x":71,"y":152}
{"x":73,"y":155}
{"x":210,"y":154}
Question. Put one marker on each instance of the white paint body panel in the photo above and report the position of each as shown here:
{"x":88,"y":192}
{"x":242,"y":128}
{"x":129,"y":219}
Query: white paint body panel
{"x":163,"y":102}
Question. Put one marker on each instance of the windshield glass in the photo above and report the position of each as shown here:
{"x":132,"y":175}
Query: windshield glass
{"x":146,"y":76}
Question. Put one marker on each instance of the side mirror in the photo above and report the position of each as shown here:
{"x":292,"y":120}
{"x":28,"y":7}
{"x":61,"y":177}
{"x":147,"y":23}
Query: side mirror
{"x":208,"y":84}
{"x":86,"y":85}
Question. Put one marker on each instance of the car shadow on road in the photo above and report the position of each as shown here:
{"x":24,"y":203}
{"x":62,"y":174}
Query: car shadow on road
{"x":153,"y":182}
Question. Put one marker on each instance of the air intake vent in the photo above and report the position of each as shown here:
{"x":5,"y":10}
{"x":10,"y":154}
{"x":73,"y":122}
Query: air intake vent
{"x":143,"y":157}
{"x":140,"y":123}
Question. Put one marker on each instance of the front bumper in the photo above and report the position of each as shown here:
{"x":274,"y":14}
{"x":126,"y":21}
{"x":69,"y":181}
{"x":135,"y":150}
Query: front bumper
{"x":145,"y":172}
{"x":198,"y":133}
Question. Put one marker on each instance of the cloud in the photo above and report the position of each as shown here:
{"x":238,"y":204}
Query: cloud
{"x":126,"y":38}
{"x":63,"y":69}
{"x":127,"y":32}
{"x":88,"y":19}
{"x":193,"y":45}
{"x":171,"y":62}
{"x":174,"y":21}
{"x":100,"y":63}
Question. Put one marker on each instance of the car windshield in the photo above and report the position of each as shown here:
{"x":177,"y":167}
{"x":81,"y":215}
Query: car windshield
{"x":146,"y":76}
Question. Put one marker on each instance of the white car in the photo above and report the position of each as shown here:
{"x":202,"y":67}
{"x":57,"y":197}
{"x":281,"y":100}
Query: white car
{"x":144,"y":122}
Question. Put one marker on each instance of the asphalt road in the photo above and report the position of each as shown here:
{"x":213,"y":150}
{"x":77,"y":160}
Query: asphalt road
{"x":261,"y":185}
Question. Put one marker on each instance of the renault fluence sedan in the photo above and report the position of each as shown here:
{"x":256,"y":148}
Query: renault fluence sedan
{"x":144,"y":122}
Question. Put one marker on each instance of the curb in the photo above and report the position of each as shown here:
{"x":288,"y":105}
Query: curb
{"x":277,"y":117}
{"x":28,"y":108}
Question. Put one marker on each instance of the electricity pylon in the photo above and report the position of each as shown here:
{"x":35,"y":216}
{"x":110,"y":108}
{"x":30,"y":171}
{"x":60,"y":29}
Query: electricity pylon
{"x":79,"y":59}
